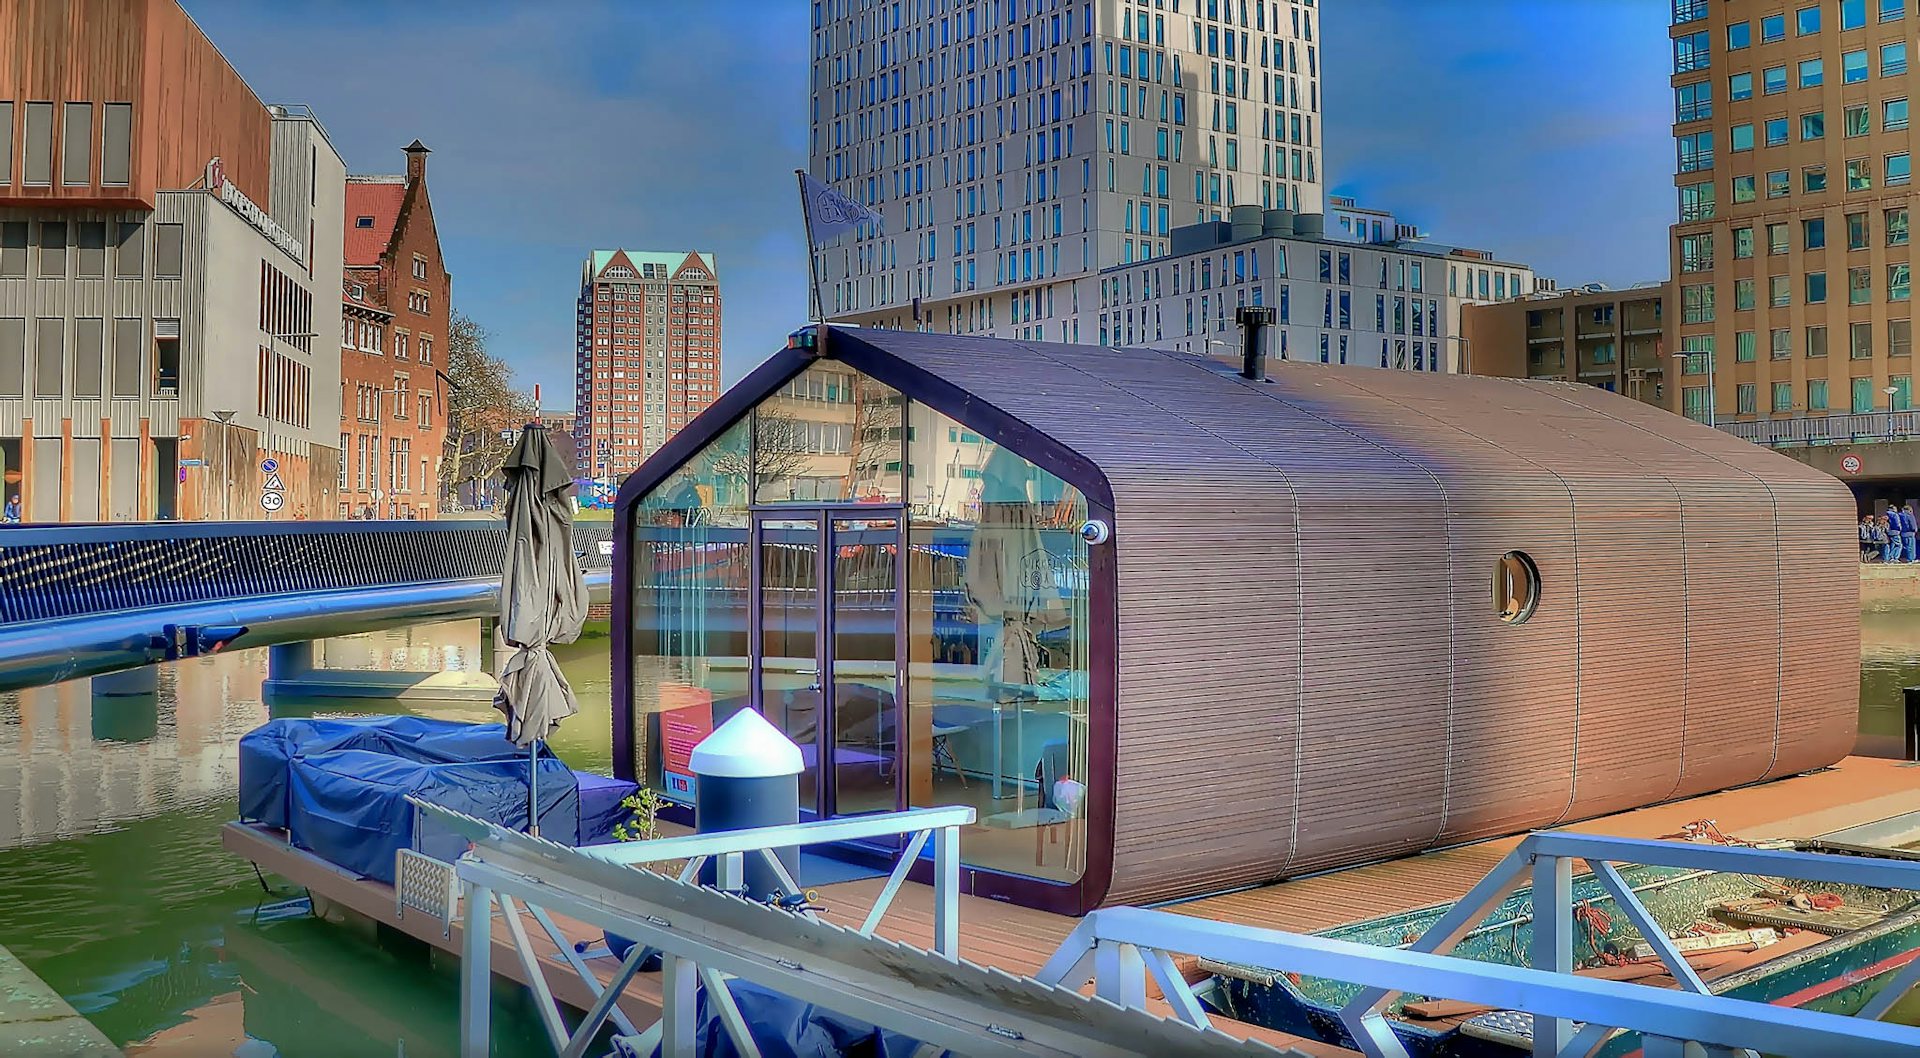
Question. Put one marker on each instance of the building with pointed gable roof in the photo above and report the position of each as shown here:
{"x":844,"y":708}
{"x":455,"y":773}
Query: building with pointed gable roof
{"x":647,"y":358}
{"x":396,"y":317}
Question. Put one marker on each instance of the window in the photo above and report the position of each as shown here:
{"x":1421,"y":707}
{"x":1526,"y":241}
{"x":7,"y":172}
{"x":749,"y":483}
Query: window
{"x":1772,"y":28}
{"x":1817,"y":394}
{"x":36,"y":164}
{"x":116,"y":144}
{"x":129,"y":357}
{"x":1892,"y":10}
{"x":1776,"y":238}
{"x":363,"y":222}
{"x":1816,"y":343}
{"x":1859,"y":177}
{"x":1516,"y":587}
{"x":76,"y":145}
{"x":1692,"y":102}
{"x":1740,"y":138}
{"x":1739,"y":87}
{"x":1745,"y":348}
{"x":1696,"y":252}
{"x":1853,"y":14}
{"x":1773,"y":80}
{"x":1814,"y":233}
{"x":1806,"y":21}
{"x":1742,"y":242}
{"x":166,"y":365}
{"x":1743,"y":189}
{"x":6,"y":141}
{"x":1856,"y":231}
{"x":1899,"y":282}
{"x":1816,"y":288}
{"x":1899,"y":337}
{"x":1897,"y":226}
{"x":13,"y":357}
{"x":1691,"y":52}
{"x":1893,"y":114}
{"x":1862,"y":395}
{"x":1853,"y":67}
{"x":1782,"y":343}
{"x":1893,"y":59}
{"x":1859,"y":286}
{"x":1813,"y":179}
{"x":49,"y":357}
{"x":53,"y":249}
{"x":90,"y":243}
{"x":1778,"y":184}
{"x":1813,"y":126}
{"x":1742,"y":295}
{"x":419,"y":267}
{"x":1745,"y":399}
{"x":129,"y":255}
{"x":1776,"y":131}
{"x":1779,"y":291}
{"x":1696,"y":151}
{"x":1899,"y":168}
{"x":1783,"y":396}
{"x":1901,"y":398}
{"x":1856,"y":120}
{"x":1696,"y":203}
{"x":1739,"y":35}
{"x":169,"y":251}
{"x":1812,"y":73}
{"x":1696,"y":303}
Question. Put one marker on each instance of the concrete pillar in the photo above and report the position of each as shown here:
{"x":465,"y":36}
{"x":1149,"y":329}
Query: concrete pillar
{"x":747,"y":774}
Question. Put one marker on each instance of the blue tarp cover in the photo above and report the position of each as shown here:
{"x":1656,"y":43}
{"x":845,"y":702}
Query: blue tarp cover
{"x":348,"y":806}
{"x":787,"y":1028}
{"x":268,"y":751}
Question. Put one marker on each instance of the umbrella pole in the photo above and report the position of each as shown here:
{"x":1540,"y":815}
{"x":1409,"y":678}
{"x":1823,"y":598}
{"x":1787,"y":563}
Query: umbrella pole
{"x":533,"y":789}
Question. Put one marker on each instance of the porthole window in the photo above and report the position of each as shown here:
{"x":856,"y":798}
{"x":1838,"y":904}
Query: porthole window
{"x":1516,"y":587}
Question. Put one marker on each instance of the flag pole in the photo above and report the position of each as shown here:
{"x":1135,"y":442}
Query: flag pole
{"x":815,"y":310}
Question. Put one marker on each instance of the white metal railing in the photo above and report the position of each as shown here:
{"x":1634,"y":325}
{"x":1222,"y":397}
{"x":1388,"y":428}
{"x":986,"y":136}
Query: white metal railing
{"x":1828,"y":429}
{"x":1118,"y":949}
{"x":705,"y":937}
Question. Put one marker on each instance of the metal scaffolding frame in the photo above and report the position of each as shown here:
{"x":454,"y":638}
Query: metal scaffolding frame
{"x":1118,"y":949}
{"x":707,"y":935}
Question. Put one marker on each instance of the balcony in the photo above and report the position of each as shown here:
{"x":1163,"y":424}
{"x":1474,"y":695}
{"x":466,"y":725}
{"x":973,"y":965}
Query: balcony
{"x":1685,"y":11}
{"x":1829,"y":429}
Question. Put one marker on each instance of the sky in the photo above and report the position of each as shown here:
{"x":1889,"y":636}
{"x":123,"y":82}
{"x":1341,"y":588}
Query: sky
{"x":1538,"y":129}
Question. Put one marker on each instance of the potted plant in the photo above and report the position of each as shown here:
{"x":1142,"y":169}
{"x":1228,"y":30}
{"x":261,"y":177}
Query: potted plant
{"x":643,"y":825}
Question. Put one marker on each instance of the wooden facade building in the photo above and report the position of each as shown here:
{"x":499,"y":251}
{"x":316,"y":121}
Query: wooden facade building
{"x":1250,"y":629}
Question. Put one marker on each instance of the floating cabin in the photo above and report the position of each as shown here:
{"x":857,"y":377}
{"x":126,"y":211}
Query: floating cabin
{"x":1173,"y":631}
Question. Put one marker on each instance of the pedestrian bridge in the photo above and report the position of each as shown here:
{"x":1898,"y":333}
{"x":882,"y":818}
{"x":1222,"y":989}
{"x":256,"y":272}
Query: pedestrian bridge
{"x":83,"y":600}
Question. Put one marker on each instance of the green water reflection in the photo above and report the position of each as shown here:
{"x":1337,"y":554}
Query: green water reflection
{"x":115,"y":890}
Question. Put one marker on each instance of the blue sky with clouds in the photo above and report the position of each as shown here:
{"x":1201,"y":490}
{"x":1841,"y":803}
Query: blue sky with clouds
{"x":1539,"y":129}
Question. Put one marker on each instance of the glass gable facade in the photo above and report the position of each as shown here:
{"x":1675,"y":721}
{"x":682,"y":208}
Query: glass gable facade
{"x":905,"y":598}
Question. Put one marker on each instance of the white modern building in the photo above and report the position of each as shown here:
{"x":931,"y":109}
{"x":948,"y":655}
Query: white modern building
{"x":1014,"y":147}
{"x":1337,"y":299}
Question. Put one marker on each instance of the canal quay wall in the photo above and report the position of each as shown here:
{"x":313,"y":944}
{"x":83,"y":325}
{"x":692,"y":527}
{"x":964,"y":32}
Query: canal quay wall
{"x":1889,"y":587}
{"x":36,"y":1023}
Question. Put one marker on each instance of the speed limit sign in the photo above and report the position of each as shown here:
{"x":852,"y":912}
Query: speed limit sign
{"x":1852,"y":464}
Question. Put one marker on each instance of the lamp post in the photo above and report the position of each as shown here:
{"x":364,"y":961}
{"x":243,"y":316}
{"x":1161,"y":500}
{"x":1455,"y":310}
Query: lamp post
{"x":1713,"y":389}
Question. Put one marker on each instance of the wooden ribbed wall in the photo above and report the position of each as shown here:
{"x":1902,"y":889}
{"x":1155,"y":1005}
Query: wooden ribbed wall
{"x":1310,"y":669}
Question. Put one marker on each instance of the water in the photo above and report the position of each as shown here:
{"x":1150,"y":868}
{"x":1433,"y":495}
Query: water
{"x":114,"y":888}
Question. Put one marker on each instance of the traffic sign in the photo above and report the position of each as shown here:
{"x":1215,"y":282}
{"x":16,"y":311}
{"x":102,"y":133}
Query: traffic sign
{"x":273,"y":482}
{"x":271,"y":501}
{"x":269,"y":465}
{"x":1852,"y":464}
{"x":193,"y":462}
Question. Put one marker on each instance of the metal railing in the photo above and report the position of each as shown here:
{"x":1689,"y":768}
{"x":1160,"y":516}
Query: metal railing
{"x":1829,"y":429}
{"x":705,"y":936}
{"x":1118,"y":949}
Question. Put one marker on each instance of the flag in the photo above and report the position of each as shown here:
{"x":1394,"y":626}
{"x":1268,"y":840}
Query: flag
{"x":830,"y":213}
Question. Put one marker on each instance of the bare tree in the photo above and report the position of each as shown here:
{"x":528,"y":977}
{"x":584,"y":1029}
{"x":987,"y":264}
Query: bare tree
{"x":779,"y":451}
{"x":484,"y":410}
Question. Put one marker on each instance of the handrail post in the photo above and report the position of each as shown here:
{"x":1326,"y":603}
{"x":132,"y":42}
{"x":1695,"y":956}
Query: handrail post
{"x":946,"y":892}
{"x":679,"y":1006}
{"x":1120,"y":974}
{"x":476,"y":975}
{"x":1552,"y":942}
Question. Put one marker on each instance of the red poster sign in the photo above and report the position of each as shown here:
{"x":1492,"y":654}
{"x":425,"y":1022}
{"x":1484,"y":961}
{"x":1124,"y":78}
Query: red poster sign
{"x":686,"y":718}
{"x":1852,"y":464}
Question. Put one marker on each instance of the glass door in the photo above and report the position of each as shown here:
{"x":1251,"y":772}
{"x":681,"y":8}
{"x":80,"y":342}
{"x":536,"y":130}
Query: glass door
{"x":865,"y":650}
{"x":788,"y":649}
{"x":827,"y":661}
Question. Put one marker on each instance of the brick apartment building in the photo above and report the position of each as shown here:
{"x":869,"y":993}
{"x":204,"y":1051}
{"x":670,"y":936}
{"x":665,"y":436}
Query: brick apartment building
{"x":395,"y":319}
{"x":648,"y":354}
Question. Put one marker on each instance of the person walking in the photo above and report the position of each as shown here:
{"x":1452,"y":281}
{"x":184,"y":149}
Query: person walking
{"x":1868,"y":549}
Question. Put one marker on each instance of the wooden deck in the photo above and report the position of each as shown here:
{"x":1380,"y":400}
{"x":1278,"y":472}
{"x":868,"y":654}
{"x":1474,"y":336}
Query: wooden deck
{"x":1019,"y":940}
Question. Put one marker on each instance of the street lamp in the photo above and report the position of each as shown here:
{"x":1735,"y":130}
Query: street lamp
{"x":1713,"y":390}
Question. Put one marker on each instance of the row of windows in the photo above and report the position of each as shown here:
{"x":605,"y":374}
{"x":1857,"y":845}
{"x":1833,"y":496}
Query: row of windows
{"x":80,"y":133}
{"x":1696,"y":250}
{"x":1697,"y":299}
{"x":1699,"y":348}
{"x":87,"y":359}
{"x":1898,"y":391}
{"x":80,"y":250}
{"x":1697,"y":200}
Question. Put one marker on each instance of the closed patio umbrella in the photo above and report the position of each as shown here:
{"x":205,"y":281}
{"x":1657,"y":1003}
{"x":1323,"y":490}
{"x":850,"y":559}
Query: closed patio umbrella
{"x":543,"y":600}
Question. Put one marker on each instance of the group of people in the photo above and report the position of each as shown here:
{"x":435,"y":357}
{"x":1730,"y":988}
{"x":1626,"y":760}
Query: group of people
{"x":1889,"y":537}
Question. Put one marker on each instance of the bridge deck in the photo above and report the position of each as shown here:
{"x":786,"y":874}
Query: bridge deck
{"x":1855,"y":792}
